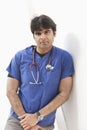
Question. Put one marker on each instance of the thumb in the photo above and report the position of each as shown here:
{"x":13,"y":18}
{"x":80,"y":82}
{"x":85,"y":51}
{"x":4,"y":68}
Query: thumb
{"x":22,"y":117}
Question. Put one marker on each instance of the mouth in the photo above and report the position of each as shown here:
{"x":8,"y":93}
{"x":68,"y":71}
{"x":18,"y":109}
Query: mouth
{"x":44,"y":43}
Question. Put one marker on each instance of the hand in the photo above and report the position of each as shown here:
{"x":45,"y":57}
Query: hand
{"x":37,"y":127}
{"x":27,"y":121}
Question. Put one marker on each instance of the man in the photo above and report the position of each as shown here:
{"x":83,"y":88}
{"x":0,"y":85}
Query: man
{"x":40,"y":79}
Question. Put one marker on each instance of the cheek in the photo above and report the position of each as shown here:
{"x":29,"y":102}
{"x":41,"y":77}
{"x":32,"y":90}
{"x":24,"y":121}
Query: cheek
{"x":51,"y":39}
{"x":36,"y":39}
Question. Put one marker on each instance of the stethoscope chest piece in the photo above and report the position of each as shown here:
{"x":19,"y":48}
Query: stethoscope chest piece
{"x":49,"y":67}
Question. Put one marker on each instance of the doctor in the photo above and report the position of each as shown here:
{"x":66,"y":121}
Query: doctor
{"x":40,"y":79}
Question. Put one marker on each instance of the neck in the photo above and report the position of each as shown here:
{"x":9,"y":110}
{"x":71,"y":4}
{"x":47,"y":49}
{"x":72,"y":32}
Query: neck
{"x":43,"y":51}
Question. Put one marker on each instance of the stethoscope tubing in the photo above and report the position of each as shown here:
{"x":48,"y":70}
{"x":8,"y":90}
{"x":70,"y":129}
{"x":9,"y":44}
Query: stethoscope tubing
{"x":36,"y":80}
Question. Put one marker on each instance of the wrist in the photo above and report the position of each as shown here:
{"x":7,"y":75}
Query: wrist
{"x":39,"y":116}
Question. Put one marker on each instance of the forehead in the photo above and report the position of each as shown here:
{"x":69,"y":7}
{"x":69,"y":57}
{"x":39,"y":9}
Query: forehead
{"x":43,"y":30}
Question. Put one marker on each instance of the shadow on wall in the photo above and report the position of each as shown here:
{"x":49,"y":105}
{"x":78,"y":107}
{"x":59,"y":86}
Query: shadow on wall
{"x":72,"y":44}
{"x":70,"y":108}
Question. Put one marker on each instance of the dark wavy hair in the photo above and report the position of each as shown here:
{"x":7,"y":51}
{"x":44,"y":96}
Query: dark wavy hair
{"x":42,"y":21}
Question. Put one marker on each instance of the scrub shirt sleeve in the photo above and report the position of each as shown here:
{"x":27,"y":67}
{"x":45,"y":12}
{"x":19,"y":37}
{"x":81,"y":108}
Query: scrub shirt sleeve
{"x":67,"y":65}
{"x":14,"y":67}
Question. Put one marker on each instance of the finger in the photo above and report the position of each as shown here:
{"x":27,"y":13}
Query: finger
{"x":23,"y":123}
{"x":24,"y":126}
{"x":21,"y":117}
{"x":27,"y":128}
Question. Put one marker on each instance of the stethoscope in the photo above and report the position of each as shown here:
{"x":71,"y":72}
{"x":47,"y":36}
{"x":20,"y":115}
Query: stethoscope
{"x":48,"y":67}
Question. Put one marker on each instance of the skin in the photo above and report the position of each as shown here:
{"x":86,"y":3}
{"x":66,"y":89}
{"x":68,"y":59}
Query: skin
{"x":44,"y":39}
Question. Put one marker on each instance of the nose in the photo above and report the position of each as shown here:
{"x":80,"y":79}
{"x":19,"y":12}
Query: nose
{"x":42,"y":35}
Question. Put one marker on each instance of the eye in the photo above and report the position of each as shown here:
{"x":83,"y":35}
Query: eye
{"x":47,"y":31}
{"x":37,"y":33}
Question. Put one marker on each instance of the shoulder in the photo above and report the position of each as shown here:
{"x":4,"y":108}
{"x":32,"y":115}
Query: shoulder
{"x":22,"y":55}
{"x":24,"y":52}
{"x":63,"y":52}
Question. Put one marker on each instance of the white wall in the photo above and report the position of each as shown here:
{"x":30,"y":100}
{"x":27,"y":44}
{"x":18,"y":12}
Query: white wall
{"x":70,"y":16}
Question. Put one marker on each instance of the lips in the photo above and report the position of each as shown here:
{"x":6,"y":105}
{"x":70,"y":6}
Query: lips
{"x":44,"y":42}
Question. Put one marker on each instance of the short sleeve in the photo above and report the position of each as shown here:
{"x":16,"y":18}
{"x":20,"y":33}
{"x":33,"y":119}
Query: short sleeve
{"x":14,"y":67}
{"x":67,"y":65}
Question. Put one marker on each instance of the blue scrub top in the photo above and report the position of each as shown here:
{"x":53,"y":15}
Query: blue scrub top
{"x":34,"y":97}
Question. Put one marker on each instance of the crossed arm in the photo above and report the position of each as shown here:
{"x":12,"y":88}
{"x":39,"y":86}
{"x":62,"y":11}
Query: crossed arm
{"x":29,"y":121}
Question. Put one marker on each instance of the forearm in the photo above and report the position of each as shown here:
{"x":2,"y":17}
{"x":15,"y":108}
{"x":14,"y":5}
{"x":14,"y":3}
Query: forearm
{"x":16,"y":104}
{"x":53,"y":105}
{"x":64,"y":93}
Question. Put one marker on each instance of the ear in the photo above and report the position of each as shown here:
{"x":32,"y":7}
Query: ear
{"x":33,"y":36}
{"x":54,"y":33}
